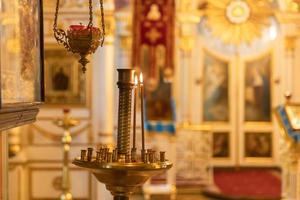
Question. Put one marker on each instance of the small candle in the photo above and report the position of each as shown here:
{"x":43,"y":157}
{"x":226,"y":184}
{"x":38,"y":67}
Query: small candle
{"x":134,"y":110}
{"x":142,"y":111}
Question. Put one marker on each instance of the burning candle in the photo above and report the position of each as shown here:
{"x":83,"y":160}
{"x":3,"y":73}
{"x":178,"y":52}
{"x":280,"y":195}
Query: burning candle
{"x":142,"y":111}
{"x":134,"y":110}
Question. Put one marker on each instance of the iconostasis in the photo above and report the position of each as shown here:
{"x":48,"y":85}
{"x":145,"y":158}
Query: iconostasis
{"x":237,"y":78}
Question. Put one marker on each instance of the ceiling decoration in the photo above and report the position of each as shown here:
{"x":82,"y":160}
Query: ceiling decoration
{"x":238,"y":21}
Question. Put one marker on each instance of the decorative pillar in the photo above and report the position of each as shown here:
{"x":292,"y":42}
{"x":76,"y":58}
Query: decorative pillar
{"x":103,"y":87}
{"x":186,"y":45}
{"x":123,"y":39}
{"x":290,"y":43}
{"x":187,"y":30}
{"x":103,"y":92}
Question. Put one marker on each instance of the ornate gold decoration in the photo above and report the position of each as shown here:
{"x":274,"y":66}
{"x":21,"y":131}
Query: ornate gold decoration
{"x":238,"y":21}
{"x":153,"y":35}
{"x":292,"y":5}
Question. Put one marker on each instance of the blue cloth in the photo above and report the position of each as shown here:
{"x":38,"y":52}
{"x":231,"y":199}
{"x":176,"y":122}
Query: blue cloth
{"x":283,"y":117}
{"x":161,"y":126}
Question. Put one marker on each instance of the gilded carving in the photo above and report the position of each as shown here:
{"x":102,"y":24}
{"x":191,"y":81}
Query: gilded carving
{"x":235,"y":21}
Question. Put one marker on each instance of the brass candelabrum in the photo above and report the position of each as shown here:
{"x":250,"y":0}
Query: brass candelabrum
{"x":66,"y":123}
{"x":121,"y":169}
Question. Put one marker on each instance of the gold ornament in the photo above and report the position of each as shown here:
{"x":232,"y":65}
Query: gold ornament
{"x":238,"y":21}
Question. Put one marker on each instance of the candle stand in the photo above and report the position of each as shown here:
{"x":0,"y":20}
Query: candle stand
{"x":66,"y":123}
{"x":120,"y":171}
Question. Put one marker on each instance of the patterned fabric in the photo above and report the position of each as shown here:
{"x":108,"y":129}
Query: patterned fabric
{"x":153,"y":38}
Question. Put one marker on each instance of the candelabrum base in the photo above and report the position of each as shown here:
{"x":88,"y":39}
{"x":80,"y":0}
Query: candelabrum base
{"x":121,"y":179}
{"x":121,"y":198}
{"x":66,"y":196}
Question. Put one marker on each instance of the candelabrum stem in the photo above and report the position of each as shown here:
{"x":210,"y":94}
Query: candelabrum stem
{"x":125,"y":84}
{"x":121,"y":198}
{"x":66,"y":141}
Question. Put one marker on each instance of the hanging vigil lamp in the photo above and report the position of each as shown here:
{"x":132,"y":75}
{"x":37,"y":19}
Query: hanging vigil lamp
{"x":81,"y":39}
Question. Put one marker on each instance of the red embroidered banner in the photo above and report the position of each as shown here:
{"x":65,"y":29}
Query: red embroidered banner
{"x":153,"y":39}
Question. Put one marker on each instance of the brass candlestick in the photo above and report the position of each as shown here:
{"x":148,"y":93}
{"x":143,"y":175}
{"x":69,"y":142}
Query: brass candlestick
{"x":66,"y":123}
{"x":121,"y":173}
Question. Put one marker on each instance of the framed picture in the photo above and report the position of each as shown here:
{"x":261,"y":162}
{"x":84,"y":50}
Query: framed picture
{"x":21,"y":52}
{"x":258,"y":90}
{"x":215,"y":90}
{"x":258,"y":145}
{"x":64,"y":81}
{"x":221,"y":145}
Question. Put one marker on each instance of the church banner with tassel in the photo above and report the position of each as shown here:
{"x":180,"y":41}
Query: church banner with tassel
{"x":153,"y":54}
{"x":153,"y":38}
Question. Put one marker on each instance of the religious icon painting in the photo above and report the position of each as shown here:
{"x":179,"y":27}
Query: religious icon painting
{"x":64,"y":82}
{"x":258,"y":90}
{"x":216,"y":89}
{"x":159,"y":102}
{"x":221,"y":142}
{"x":258,"y":145}
{"x":21,"y":52}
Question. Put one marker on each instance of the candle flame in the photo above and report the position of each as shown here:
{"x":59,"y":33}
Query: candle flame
{"x":141,"y":77}
{"x":136,"y":80}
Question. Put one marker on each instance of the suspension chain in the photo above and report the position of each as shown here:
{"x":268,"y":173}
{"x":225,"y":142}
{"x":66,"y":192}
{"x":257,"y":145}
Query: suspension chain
{"x":90,"y":13}
{"x":56,"y":15}
{"x":102,"y":22}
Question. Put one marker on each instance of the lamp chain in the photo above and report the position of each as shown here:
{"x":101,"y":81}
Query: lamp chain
{"x":102,"y":22}
{"x":56,"y":15}
{"x":91,"y":13}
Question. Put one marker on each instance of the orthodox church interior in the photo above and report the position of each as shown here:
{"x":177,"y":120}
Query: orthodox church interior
{"x":150,"y":99}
